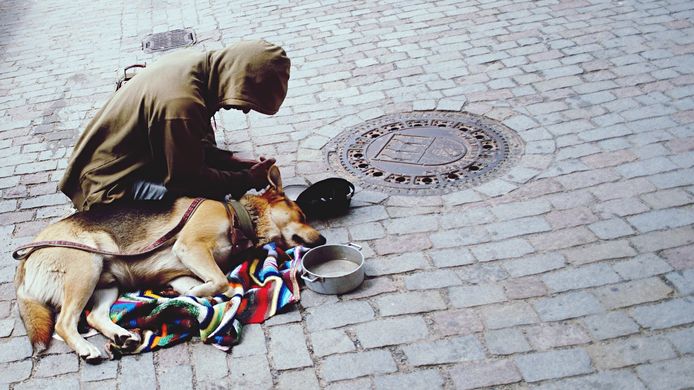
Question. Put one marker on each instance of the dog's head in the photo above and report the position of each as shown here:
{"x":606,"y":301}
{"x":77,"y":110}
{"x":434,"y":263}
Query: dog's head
{"x":287,"y":222}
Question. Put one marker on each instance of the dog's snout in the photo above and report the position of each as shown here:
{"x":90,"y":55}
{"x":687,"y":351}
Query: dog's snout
{"x":309,"y":243}
{"x":297,"y":238}
{"x":321,"y":240}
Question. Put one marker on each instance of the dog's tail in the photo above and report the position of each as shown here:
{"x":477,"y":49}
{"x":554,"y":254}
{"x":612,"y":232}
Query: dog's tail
{"x":37,"y":316}
{"x":38,"y":320}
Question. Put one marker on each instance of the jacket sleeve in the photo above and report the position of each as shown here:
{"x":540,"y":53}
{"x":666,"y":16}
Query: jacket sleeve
{"x":216,"y":157}
{"x":188,"y":171}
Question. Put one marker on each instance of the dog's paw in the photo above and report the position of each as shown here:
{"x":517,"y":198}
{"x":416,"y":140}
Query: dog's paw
{"x":92,"y":355}
{"x":128,"y":341}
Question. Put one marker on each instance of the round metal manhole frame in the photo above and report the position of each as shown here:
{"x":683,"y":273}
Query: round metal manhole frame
{"x":424,"y":153}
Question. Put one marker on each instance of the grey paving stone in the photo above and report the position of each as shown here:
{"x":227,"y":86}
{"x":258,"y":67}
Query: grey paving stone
{"x":372,"y":287}
{"x":620,"y":207}
{"x":65,"y":382}
{"x":362,"y":383}
{"x":466,"y":217}
{"x":682,"y":280}
{"x":641,"y":267}
{"x":581,"y":277}
{"x":304,"y":379}
{"x":311,"y":299}
{"x":665,"y":314}
{"x":560,"y":239}
{"x":672,"y":179}
{"x":615,"y":379}
{"x":517,"y":227}
{"x":431,"y":280}
{"x":423,"y":379}
{"x":174,"y":356}
{"x":7,"y":325}
{"x":451,"y":350}
{"x":468,"y":296}
{"x":508,"y":315}
{"x":287,"y":347}
{"x":635,"y":350}
{"x":599,"y":251}
{"x":391,"y":331}
{"x":15,"y":371}
{"x":633,"y":292}
{"x":567,"y":305}
{"x":668,"y":198}
{"x":534,"y":264}
{"x":410,"y":302}
{"x":662,"y":219}
{"x":414,"y":224}
{"x":407,"y":244}
{"x":137,"y":371}
{"x":252,"y":341}
{"x":683,"y":340}
{"x":458,"y":237}
{"x":509,"y":211}
{"x":338,"y":314}
{"x":355,"y":365}
{"x":553,"y":364}
{"x":367,"y":231}
{"x":179,"y":377}
{"x":506,"y":341}
{"x":655,"y":241}
{"x":562,"y":219}
{"x":107,"y":369}
{"x":516,"y":247}
{"x":671,"y":374}
{"x":611,"y":228}
{"x":527,"y":287}
{"x":547,"y":336}
{"x":646,"y":167}
{"x":499,"y":187}
{"x":250,"y":372}
{"x":53,"y":365}
{"x":14,"y":349}
{"x":330,"y":342}
{"x":456,"y":322}
{"x":482,"y":374}
{"x":610,"y":325}
{"x":395,"y":265}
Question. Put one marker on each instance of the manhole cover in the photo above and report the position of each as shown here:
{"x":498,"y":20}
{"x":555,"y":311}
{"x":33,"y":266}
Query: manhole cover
{"x":168,"y":40}
{"x":424,"y":153}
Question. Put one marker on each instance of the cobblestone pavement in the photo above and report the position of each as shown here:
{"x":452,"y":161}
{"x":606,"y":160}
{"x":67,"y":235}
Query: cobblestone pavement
{"x":574,"y":270}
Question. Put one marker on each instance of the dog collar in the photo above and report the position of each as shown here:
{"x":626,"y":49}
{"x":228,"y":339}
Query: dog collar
{"x":245,"y":224}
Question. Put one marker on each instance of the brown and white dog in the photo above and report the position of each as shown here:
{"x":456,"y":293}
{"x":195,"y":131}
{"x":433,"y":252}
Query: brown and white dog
{"x":64,"y":280}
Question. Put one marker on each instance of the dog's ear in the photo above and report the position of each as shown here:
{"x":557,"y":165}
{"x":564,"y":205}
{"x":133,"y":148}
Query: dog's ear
{"x":275,"y":179}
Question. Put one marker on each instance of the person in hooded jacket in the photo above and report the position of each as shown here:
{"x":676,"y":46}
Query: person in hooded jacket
{"x":153,"y":139}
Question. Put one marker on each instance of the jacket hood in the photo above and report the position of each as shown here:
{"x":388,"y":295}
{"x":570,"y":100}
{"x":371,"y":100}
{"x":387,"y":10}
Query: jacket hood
{"x":248,"y":74}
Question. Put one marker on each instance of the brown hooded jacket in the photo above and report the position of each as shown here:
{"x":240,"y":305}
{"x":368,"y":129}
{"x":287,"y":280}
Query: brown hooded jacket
{"x":157,"y":126}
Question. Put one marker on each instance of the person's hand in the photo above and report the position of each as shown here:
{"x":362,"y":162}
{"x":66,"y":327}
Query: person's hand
{"x":258,"y":173}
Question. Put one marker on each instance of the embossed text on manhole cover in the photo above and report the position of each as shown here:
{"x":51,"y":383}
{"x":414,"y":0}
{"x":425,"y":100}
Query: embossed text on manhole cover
{"x":168,"y":40}
{"x":424,"y":153}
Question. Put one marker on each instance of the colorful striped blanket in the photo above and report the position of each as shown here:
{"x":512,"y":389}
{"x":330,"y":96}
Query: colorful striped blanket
{"x":260,"y":288}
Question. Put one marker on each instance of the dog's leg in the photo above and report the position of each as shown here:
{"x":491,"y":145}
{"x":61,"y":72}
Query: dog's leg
{"x":100,"y":320}
{"x":184,"y":284}
{"x":80,"y":281}
{"x":198,"y":258}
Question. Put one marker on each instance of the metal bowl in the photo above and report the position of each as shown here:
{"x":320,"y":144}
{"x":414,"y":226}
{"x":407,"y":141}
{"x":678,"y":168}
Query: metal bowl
{"x":333,"y":269}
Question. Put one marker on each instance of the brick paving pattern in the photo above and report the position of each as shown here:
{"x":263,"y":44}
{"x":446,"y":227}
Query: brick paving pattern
{"x":573,"y":270}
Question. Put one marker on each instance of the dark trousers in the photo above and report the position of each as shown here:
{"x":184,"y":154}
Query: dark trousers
{"x":145,"y":190}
